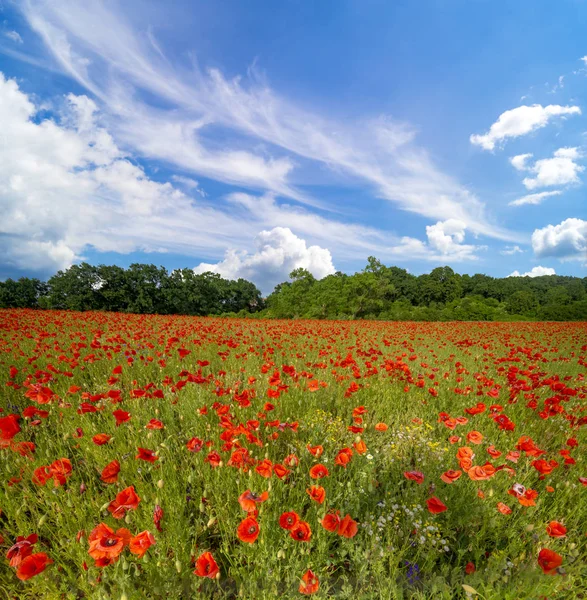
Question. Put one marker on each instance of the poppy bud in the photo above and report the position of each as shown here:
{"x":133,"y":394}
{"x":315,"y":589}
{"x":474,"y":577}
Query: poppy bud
{"x":124,"y":565}
{"x":104,"y":506}
{"x":156,"y":411}
{"x":281,"y":554}
{"x":124,"y":597}
{"x":178,"y":566}
{"x":211,"y":522}
{"x":269,"y":487}
{"x":127,"y":519}
{"x":42,"y":521}
{"x":82,"y":488}
{"x":202,"y":507}
{"x":160,"y":483}
{"x":218,"y":576}
{"x":149,"y":434}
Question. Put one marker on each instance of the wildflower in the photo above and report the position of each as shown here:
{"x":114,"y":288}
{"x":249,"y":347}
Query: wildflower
{"x":125,"y":500}
{"x":110,"y":472}
{"x":309,"y":584}
{"x":318,"y":471}
{"x":549,"y":561}
{"x":32,"y":565}
{"x":556,"y":529}
{"x":301,"y":532}
{"x":206,"y":566}
{"x":436,"y":505}
{"x":288,"y":520}
{"x":141,"y":543}
{"x":317,"y":493}
{"x":248,"y":530}
{"x":249,"y":501}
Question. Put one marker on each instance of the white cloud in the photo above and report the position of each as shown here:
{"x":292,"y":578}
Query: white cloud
{"x":520,"y":161}
{"x":567,"y":240}
{"x":14,"y":36}
{"x":509,"y":250}
{"x":65,"y":186}
{"x":93,"y":43}
{"x":534,"y":198}
{"x":447,"y":238}
{"x":278,"y":252}
{"x":584,"y":59}
{"x":521,"y":121}
{"x":562,"y":169}
{"x":535,"y":272}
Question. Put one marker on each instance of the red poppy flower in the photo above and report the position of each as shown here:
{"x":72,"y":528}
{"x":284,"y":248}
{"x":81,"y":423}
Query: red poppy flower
{"x":300,"y":532}
{"x":21,"y":549}
{"x":101,"y":438}
{"x":265,"y":468}
{"x":318,"y":471}
{"x":249,"y":501}
{"x":549,"y":561}
{"x":9,"y":427}
{"x":414,"y":476}
{"x":106,"y":545}
{"x":154,"y":424}
{"x":450,"y":476}
{"x":110,"y":472}
{"x":125,"y":500}
{"x":141,"y":542}
{"x":309,"y":584}
{"x":470,"y":568}
{"x":556,"y":529}
{"x":32,"y":565}
{"x":504,"y":509}
{"x":315,"y":450}
{"x":121,"y":416}
{"x":206,"y":566}
{"x":435,"y":505}
{"x":347,"y":527}
{"x":60,"y":470}
{"x":195,"y":444}
{"x":474,"y":437}
{"x":381,"y":427}
{"x":146,"y":455}
{"x":331,"y":521}
{"x":317,"y":493}
{"x":248,"y":530}
{"x":288,"y":520}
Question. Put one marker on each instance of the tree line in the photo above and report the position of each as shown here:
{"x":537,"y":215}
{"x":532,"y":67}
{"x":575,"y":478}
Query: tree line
{"x":376,"y":292}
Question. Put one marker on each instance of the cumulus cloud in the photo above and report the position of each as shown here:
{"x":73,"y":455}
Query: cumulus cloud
{"x":535,"y":272}
{"x":521,"y":121}
{"x":520,"y":161}
{"x":278,"y":252}
{"x":534,"y":198}
{"x":509,"y":250}
{"x":447,"y":237}
{"x":566,"y":241}
{"x":562,"y":169}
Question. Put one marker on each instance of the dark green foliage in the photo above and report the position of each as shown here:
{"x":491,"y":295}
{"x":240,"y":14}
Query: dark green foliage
{"x":376,"y":292}
{"x":391,"y":293}
{"x":144,"y":289}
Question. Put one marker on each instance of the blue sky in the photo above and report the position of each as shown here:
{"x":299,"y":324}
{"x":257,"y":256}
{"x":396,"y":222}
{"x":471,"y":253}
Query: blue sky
{"x":250,"y":138}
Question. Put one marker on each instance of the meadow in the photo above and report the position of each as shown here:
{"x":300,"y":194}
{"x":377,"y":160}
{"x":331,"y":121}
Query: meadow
{"x":179,"y":457}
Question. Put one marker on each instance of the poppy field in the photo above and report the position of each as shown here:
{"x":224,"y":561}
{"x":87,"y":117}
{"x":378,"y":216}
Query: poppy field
{"x":160,"y":457}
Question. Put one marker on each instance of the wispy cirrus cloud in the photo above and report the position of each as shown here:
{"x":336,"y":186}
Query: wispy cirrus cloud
{"x":94,"y":44}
